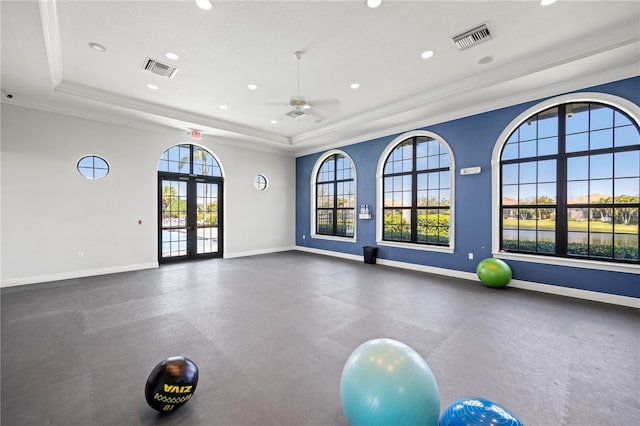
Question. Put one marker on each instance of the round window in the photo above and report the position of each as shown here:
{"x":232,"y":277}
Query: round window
{"x":260,"y":182}
{"x":93,"y":167}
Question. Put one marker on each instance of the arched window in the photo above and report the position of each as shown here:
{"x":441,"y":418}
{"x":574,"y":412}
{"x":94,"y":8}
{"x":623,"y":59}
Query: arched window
{"x":335,"y":196}
{"x":417,"y":191}
{"x":189,"y":159}
{"x":569,"y":180}
{"x":190,"y":204}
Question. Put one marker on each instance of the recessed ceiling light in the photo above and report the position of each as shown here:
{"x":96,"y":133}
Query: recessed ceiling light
{"x":252,"y":86}
{"x":354,"y":86}
{"x":547,"y":2}
{"x":485,"y":60}
{"x":204,"y":4}
{"x":152,"y":86}
{"x":97,"y":47}
{"x":172,"y":56}
{"x":224,"y":107}
{"x":273,"y":122}
{"x":426,"y":54}
{"x":374,"y":3}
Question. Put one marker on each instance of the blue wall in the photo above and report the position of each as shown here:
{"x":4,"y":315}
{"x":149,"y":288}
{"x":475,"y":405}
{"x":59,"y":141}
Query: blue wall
{"x":472,"y":140}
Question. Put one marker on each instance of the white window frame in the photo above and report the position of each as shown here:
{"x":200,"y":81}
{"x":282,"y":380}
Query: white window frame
{"x":380,"y":196}
{"x":622,"y":104}
{"x":314,"y":180}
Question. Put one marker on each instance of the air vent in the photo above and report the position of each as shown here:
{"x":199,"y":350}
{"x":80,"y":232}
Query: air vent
{"x":159,"y":68}
{"x":472,"y":37}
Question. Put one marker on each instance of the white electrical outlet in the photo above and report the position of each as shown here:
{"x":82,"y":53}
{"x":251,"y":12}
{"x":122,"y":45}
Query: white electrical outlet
{"x":470,"y":256}
{"x":304,"y":237}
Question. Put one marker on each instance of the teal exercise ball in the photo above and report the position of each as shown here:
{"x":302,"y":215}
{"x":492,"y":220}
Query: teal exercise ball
{"x":494,"y":272}
{"x":385,"y":382}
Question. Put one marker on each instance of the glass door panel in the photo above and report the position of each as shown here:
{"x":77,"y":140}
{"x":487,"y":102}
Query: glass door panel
{"x":173,"y":218}
{"x":207,"y":217}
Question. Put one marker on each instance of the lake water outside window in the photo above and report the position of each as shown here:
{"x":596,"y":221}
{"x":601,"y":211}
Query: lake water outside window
{"x":570,"y":184}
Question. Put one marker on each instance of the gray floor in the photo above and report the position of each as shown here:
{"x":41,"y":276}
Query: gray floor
{"x":271,"y":334}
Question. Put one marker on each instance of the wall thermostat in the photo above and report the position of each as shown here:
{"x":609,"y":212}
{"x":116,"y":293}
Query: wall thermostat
{"x":470,"y":170}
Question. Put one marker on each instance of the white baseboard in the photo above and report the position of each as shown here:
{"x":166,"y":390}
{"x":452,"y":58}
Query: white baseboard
{"x":595,"y":296}
{"x":614,"y":299}
{"x":76,"y":274}
{"x":257,"y":252}
{"x":329,"y":253}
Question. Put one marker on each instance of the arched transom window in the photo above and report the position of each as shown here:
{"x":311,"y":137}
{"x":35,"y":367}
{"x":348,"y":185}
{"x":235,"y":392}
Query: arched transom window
{"x":570,"y":184}
{"x":335,"y":197}
{"x":417,"y":192}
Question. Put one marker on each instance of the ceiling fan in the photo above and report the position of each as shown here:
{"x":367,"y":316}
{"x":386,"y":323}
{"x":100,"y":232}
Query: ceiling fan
{"x":302,"y":107}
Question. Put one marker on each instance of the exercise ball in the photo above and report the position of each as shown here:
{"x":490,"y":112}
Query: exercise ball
{"x":494,"y":272}
{"x":171,"y":384}
{"x":385,"y":382}
{"x":477,"y":412}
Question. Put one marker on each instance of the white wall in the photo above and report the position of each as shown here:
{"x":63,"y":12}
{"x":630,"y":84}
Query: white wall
{"x":50,"y":212}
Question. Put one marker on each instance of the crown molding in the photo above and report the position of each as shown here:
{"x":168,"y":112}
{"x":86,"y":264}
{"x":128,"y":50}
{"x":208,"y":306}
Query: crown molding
{"x":415,"y":103}
{"x":52,"y":42}
{"x":198,"y":120}
{"x":430,"y":113}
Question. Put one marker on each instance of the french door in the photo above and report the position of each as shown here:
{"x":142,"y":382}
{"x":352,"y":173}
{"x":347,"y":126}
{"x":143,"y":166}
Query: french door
{"x":190,"y":222}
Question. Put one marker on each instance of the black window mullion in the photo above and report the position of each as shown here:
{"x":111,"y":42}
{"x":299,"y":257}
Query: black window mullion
{"x":414,"y":192}
{"x":335,"y":199}
{"x":192,"y":215}
{"x":562,"y":231}
{"x":191,"y":158}
{"x":335,"y":194}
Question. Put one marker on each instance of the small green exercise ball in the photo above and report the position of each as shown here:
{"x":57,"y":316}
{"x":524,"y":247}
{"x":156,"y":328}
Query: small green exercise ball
{"x":385,"y":382}
{"x":494,"y":272}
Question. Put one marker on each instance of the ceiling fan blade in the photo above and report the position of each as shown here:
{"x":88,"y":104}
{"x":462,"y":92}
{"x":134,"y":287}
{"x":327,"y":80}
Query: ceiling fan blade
{"x":318,"y":115}
{"x":271,"y":103}
{"x":324,"y":107}
{"x":325,"y":103}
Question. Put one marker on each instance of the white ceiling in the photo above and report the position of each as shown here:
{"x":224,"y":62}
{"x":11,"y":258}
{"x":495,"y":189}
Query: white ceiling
{"x":537,"y":51}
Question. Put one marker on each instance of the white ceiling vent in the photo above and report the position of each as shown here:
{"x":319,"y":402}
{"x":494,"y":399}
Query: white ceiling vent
{"x":159,"y":68}
{"x":472,"y":37}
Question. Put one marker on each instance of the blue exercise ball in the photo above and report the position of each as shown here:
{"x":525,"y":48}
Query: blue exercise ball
{"x":385,"y":382}
{"x":477,"y":412}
